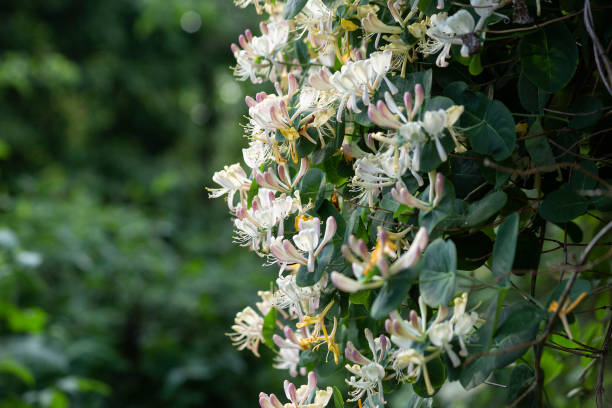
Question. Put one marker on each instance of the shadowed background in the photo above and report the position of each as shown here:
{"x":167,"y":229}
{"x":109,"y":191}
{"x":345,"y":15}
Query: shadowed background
{"x":118,"y":278}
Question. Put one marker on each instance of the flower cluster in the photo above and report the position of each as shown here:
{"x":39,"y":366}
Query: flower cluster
{"x":343,"y":192}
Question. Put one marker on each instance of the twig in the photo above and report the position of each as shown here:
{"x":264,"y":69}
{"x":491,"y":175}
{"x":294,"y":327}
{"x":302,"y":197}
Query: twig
{"x":599,"y":390}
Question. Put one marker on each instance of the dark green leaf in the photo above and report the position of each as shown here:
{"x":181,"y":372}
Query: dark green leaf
{"x":437,"y":278}
{"x":538,"y":147}
{"x":584,"y":105}
{"x":472,"y":250}
{"x":504,"y":248}
{"x":393,"y":293}
{"x":301,"y":51}
{"x":293,"y":7}
{"x":563,"y":205}
{"x":484,"y":209}
{"x":521,"y":378}
{"x":549,"y":56}
{"x":581,"y":181}
{"x":311,"y":184}
{"x":532,"y":98}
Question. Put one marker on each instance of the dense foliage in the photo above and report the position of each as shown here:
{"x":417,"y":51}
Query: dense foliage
{"x":430,"y":187}
{"x":113,"y":268}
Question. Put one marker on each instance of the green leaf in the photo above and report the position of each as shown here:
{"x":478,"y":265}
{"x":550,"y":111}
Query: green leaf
{"x":489,"y":125}
{"x":549,"y":57}
{"x":538,"y":147}
{"x":293,"y":7}
{"x":586,"y":104}
{"x":528,"y":252}
{"x":518,"y":325}
{"x":505,"y":248}
{"x":268,"y":328}
{"x":253,"y":190}
{"x":360,"y":298}
{"x":580,"y":181}
{"x":338,"y":400}
{"x":521,"y":378}
{"x":475,"y":65}
{"x":532,"y":98}
{"x":17,"y":370}
{"x":563,"y":205}
{"x":393,"y":293}
{"x":30,"y":320}
{"x":484,"y":209}
{"x":430,"y":219}
{"x":437,"y":278}
{"x":301,"y":51}
{"x":472,"y":250}
{"x":311,"y":184}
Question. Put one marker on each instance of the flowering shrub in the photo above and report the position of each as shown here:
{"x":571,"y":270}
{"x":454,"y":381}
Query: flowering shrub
{"x":404,"y":204}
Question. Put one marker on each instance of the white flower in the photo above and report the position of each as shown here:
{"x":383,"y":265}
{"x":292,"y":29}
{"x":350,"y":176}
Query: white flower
{"x":307,"y":396}
{"x":440,"y":335}
{"x":256,"y":58}
{"x":256,"y":154}
{"x":355,"y":81}
{"x":463,"y":322}
{"x":446,"y":31}
{"x":231,"y":179}
{"x":367,"y":373}
{"x":247,"y":330}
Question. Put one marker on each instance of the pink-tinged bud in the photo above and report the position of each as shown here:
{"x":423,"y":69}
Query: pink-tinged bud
{"x":248,"y":34}
{"x":259,"y":178}
{"x":419,"y":97}
{"x":384,"y":343}
{"x":408,"y":104}
{"x":275,"y":402}
{"x":347,"y":254}
{"x":353,"y":355}
{"x":439,"y":187}
{"x":312,"y":382}
{"x":344,"y":283}
{"x":369,"y":140}
{"x":293,"y":84}
{"x":330,"y":230}
{"x":250,"y":102}
{"x":241,"y":212}
{"x":391,"y":103}
{"x":383,"y":267}
{"x":264,"y":28}
{"x":255,"y":204}
{"x":260,"y":96}
{"x":278,"y":340}
{"x":235,"y":49}
{"x":290,"y":335}
{"x":283,"y":173}
{"x":243,"y":42}
{"x":264,"y":401}
{"x":389,"y":326}
{"x":394,"y":12}
{"x":414,"y":319}
{"x":290,"y":391}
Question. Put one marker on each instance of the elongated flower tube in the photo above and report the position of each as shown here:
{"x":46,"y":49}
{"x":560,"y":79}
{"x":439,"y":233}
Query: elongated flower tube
{"x":355,"y":81}
{"x":232,"y":179}
{"x":255,"y":55}
{"x":411,"y":257}
{"x":372,"y":24}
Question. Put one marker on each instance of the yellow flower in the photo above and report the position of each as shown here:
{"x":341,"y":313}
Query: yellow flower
{"x":315,"y":339}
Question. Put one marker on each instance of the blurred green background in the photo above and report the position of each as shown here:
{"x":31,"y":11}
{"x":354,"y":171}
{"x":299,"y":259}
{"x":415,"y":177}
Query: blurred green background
{"x":118,"y":278}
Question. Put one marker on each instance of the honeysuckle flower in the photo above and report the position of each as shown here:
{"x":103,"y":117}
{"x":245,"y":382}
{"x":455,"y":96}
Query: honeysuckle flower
{"x":254,"y":226}
{"x":316,"y":19}
{"x":415,"y":363}
{"x":281,"y":180}
{"x":247,"y":328}
{"x":405,"y":333}
{"x":401,"y":194}
{"x":446,"y":31}
{"x":372,"y":24}
{"x":367,"y":373}
{"x":440,"y":335}
{"x":300,"y":300}
{"x":355,"y":81}
{"x":319,"y":335}
{"x":256,"y":154}
{"x":306,"y":240}
{"x":306,"y":396}
{"x":255,"y":57}
{"x":232,"y":179}
{"x":463,"y":323}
